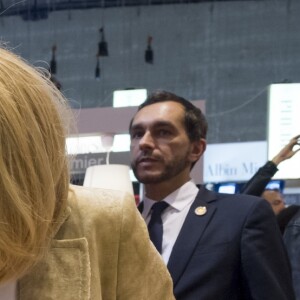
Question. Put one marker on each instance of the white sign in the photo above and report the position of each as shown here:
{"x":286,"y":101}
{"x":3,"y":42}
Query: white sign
{"x":233,"y":161}
{"x":283,"y":124}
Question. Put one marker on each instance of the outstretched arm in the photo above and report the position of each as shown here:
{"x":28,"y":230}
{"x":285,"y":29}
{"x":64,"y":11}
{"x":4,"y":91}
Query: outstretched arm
{"x":257,"y":183}
{"x":287,"y":151}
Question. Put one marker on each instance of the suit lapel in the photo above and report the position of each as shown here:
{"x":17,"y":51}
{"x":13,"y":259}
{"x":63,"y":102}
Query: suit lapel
{"x":190,"y":233}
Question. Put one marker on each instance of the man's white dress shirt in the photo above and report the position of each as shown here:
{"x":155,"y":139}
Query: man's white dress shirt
{"x":173,"y":216}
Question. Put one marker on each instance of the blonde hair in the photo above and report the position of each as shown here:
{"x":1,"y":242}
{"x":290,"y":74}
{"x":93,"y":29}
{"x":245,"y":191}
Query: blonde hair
{"x":34,"y":170}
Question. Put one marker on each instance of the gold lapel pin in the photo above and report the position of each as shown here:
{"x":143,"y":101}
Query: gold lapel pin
{"x":200,"y":210}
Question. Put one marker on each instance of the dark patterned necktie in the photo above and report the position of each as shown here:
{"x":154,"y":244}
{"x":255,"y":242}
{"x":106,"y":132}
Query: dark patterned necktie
{"x":155,"y":225}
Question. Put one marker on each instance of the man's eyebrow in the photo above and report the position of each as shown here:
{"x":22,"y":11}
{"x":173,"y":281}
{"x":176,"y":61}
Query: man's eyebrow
{"x":163,"y":123}
{"x":136,"y":126}
{"x":159,"y":123}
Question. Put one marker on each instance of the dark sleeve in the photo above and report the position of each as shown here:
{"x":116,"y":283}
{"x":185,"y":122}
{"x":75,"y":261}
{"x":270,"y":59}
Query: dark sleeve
{"x":266,"y":269}
{"x":286,"y":215}
{"x":292,"y":243}
{"x":256,"y":185}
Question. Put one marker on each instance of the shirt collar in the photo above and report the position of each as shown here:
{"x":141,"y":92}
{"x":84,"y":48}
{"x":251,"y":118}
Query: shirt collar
{"x":178,"y":199}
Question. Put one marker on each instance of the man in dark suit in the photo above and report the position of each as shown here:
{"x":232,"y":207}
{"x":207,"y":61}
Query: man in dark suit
{"x":216,"y":246}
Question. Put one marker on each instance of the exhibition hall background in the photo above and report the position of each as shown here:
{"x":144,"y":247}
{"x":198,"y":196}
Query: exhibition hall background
{"x":224,"y":52}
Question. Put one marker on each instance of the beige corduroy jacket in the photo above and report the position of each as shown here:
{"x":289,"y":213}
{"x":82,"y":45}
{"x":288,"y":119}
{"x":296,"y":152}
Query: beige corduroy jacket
{"x":101,"y":250}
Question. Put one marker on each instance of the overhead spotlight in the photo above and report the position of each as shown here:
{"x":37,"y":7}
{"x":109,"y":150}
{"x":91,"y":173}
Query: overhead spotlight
{"x":53,"y":61}
{"x":149,"y":55}
{"x":97,"y":70}
{"x":102,"y":46}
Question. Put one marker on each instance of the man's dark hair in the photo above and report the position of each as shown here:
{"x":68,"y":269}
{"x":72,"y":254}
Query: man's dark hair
{"x":194,"y":120}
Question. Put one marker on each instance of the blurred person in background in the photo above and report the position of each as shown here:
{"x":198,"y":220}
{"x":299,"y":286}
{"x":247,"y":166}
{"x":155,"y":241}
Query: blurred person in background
{"x":257,"y":184}
{"x":291,"y":239}
{"x":275,"y":198}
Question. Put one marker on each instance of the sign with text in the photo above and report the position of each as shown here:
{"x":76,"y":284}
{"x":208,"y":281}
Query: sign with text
{"x":283,"y":124}
{"x":233,"y":161}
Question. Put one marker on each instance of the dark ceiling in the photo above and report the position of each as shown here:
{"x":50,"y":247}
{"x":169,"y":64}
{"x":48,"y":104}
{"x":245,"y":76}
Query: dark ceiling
{"x":39,"y":9}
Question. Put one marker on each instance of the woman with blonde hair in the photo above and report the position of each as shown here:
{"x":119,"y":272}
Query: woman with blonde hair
{"x":59,"y":241}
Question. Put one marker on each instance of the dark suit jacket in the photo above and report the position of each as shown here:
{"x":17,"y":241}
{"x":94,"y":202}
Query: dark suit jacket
{"x":292,"y":242}
{"x":233,"y":252}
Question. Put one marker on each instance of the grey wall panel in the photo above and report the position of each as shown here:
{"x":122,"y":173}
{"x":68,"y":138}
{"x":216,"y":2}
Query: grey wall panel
{"x":224,"y":52}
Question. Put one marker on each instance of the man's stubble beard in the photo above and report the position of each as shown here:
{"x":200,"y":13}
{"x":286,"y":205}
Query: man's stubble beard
{"x":170,"y":171}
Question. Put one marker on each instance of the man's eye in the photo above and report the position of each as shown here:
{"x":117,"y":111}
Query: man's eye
{"x":164,"y":132}
{"x":136,"y":135}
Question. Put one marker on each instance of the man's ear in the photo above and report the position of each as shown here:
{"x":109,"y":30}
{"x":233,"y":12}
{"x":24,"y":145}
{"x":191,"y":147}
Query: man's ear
{"x":197,"y":150}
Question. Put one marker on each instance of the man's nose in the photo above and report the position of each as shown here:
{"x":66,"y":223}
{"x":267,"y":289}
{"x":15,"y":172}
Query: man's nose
{"x":147,"y":141}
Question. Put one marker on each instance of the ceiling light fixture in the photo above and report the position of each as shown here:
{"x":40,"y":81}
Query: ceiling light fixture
{"x":53,"y":61}
{"x":149,"y":55}
{"x":97,"y":70}
{"x":102,"y":46}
